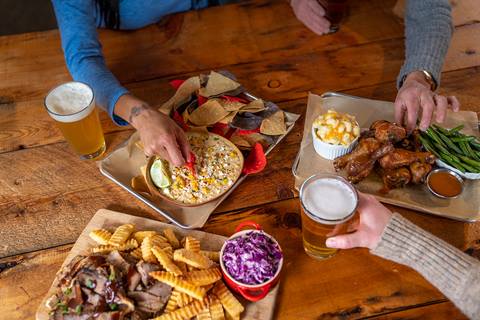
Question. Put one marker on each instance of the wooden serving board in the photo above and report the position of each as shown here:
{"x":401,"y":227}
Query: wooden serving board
{"x":262,"y":310}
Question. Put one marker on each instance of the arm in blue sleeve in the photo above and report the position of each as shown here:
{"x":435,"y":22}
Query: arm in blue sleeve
{"x":428,"y":29}
{"x":83,"y":53}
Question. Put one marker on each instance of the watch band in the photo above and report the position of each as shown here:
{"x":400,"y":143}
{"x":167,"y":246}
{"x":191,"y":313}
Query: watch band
{"x":428,"y":77}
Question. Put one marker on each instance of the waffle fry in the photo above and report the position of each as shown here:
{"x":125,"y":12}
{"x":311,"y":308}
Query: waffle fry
{"x":216,"y":309}
{"x":129,"y":245}
{"x":160,"y":241}
{"x":179,"y":284}
{"x":171,"y":304}
{"x":231,"y":305}
{"x":232,"y":317}
{"x":192,"y":244}
{"x":146,"y":247}
{"x":140,"y":235}
{"x":186,"y":312}
{"x":203,"y":277}
{"x":204,"y":315}
{"x":194,"y":259}
{"x":121,"y":235}
{"x":212,"y":255}
{"x":166,"y":262}
{"x":169,"y":251}
{"x":137,"y":253}
{"x":182,"y":266}
{"x":100,"y":236}
{"x":172,"y":239}
{"x":183,"y":299}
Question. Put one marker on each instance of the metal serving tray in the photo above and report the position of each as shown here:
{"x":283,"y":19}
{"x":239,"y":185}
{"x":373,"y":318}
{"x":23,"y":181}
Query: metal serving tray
{"x":417,"y":197}
{"x":122,"y":165}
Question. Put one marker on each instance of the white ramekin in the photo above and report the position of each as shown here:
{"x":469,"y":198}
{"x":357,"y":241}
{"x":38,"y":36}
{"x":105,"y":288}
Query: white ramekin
{"x":330,"y":151}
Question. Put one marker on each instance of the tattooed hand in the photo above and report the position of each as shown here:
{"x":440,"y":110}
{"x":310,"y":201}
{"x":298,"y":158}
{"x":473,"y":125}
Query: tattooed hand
{"x":159,"y":134}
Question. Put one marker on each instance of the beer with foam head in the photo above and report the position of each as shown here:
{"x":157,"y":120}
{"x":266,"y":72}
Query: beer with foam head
{"x":72,"y":106}
{"x":328,"y":205}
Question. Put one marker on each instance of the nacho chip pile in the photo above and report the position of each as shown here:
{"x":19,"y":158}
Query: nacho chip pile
{"x":218,"y":104}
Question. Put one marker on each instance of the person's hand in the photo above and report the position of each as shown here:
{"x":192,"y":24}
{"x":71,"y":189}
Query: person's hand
{"x":374,"y":217}
{"x":159,"y":134}
{"x":312,"y":15}
{"x":415,"y":97}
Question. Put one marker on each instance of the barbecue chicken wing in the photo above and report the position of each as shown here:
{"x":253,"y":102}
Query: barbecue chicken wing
{"x":387,"y":131}
{"x":361,"y":166}
{"x":400,"y":157}
{"x":419,"y":171}
{"x":395,"y":178}
{"x":364,"y":148}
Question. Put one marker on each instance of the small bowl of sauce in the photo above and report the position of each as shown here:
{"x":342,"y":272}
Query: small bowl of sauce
{"x":445,"y":183}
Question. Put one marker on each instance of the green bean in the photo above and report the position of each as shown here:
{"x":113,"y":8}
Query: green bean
{"x":456,"y":129}
{"x":441,"y":148}
{"x":470,"y":161}
{"x":449,"y":143}
{"x":463,"y":139}
{"x":435,"y":137}
{"x":440,"y":129}
{"x":428,"y":146}
{"x":475,"y":144}
{"x":464,"y":148}
{"x":471,"y":153}
{"x":445,"y":158}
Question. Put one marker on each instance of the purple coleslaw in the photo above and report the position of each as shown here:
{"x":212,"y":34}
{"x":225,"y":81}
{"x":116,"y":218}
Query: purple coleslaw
{"x":252,"y":258}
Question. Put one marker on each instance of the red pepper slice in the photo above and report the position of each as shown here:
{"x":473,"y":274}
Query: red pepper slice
{"x":247,"y":132}
{"x":176,"y":83}
{"x":191,"y":163}
{"x":180,"y":121}
{"x":256,"y":160}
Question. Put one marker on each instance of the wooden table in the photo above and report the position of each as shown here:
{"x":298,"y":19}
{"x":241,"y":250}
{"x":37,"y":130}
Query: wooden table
{"x":47,"y":194}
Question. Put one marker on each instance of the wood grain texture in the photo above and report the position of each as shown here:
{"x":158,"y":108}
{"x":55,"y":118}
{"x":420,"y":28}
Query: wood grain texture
{"x":442,"y":310}
{"x":353,"y":284}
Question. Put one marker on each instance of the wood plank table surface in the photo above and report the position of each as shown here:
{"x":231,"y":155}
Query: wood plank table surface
{"x":47,"y":194}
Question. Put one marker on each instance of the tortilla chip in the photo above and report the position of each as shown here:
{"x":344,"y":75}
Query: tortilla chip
{"x":274,"y":125}
{"x":232,"y":105}
{"x":218,"y":84}
{"x":202,"y":129}
{"x":208,"y":113}
{"x":183,"y":94}
{"x":240,"y":142}
{"x":246,"y":121}
{"x":228,"y":118}
{"x":254,"y":106}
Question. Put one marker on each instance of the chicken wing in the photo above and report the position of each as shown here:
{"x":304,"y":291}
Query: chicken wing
{"x":395,"y":178}
{"x":386,"y":131}
{"x":419,"y":171}
{"x":400,"y":158}
{"x":364,"y":148}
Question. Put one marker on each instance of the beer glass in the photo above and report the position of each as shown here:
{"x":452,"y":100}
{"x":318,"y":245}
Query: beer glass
{"x":328,"y":208}
{"x":72,"y":106}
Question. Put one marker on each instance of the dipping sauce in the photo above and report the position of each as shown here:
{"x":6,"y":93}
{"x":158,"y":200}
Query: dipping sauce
{"x":444,"y":184}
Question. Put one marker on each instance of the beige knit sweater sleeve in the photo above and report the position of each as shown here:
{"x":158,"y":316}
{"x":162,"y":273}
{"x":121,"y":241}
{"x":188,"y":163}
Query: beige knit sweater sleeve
{"x":454,"y":273}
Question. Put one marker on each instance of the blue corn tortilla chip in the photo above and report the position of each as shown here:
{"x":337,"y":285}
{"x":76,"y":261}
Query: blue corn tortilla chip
{"x":246,"y":121}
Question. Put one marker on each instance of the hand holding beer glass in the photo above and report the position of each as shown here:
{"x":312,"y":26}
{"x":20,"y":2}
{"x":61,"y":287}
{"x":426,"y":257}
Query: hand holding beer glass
{"x":329,"y":208}
{"x":72,"y":106}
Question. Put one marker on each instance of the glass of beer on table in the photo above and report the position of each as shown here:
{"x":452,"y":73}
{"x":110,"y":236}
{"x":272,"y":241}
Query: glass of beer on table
{"x":329,"y":208}
{"x":72,"y":106}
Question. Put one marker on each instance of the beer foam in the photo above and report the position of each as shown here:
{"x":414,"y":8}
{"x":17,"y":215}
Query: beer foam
{"x":70,"y":102}
{"x":329,"y":199}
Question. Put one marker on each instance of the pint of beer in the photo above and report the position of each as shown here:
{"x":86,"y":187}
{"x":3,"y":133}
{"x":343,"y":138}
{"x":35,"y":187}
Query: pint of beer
{"x":72,"y":106}
{"x":328,"y":205}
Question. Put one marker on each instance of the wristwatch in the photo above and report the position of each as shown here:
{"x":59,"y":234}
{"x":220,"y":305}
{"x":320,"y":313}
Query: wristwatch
{"x":428,"y":77}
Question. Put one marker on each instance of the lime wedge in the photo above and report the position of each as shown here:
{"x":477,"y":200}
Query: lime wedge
{"x":160,"y":173}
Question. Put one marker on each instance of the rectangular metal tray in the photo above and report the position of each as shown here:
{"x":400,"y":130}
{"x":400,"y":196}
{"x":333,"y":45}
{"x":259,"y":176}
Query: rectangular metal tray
{"x":120,"y":167}
{"x":417,"y":197}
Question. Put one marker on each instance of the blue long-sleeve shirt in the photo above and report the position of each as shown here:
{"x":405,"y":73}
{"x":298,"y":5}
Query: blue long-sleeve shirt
{"x":78,"y":21}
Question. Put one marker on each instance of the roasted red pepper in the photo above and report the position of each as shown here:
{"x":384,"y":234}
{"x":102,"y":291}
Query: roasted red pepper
{"x":256,"y":160}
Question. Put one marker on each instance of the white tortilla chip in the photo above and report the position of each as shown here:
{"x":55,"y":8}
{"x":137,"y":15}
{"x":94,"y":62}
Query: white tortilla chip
{"x":254,"y":106}
{"x":274,"y":125}
{"x":208,"y":113}
{"x":218,"y":84}
{"x":228,"y":118}
{"x":186,"y":89}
